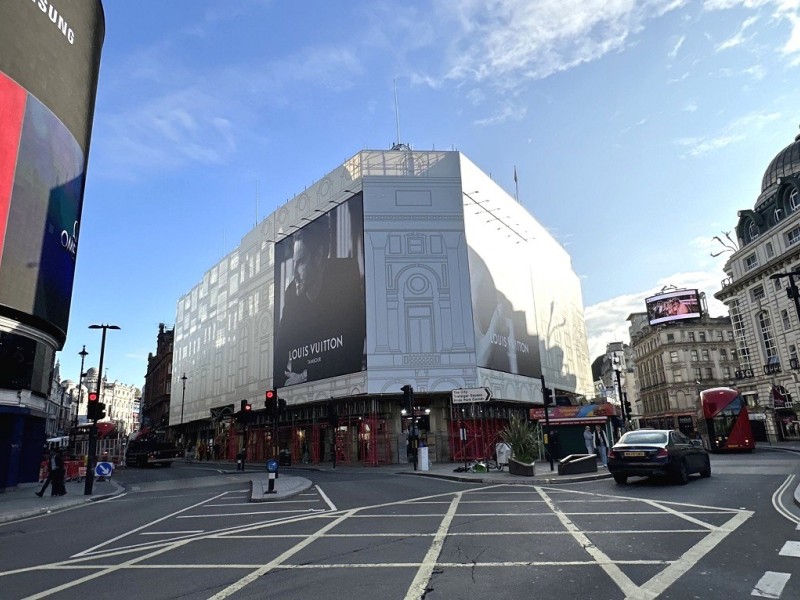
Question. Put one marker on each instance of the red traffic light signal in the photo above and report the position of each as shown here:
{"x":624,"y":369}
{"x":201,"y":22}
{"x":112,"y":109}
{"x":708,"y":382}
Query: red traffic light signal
{"x":246,"y":406}
{"x":92,"y":396}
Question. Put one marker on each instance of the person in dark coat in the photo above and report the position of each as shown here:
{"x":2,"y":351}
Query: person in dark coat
{"x":55,"y":475}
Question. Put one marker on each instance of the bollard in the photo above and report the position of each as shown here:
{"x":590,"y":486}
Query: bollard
{"x":271,"y":485}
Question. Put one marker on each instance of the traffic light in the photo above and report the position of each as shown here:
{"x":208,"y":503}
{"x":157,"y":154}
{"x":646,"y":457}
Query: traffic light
{"x":271,"y":402}
{"x":408,"y":398}
{"x":628,"y":408}
{"x":281,"y":406}
{"x":547,"y":393}
{"x":246,"y":406}
{"x":95,"y":410}
{"x":245,"y":413}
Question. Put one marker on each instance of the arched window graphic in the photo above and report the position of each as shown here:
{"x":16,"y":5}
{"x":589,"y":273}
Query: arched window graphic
{"x":765,"y":324}
{"x":752,"y":231}
{"x":794,"y":200}
{"x":418,"y":296}
{"x":778,"y":214}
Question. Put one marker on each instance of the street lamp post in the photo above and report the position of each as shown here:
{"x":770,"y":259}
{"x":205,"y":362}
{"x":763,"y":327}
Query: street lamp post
{"x":183,"y":400}
{"x":91,"y":458}
{"x":83,"y":354}
{"x":792,"y":290}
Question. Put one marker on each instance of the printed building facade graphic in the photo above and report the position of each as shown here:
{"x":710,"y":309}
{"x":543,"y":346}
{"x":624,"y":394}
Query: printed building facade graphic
{"x":398,"y":267}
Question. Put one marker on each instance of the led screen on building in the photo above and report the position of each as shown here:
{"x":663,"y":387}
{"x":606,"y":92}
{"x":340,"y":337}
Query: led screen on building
{"x":320,"y":317}
{"x":49,"y":64}
{"x":673,"y":306}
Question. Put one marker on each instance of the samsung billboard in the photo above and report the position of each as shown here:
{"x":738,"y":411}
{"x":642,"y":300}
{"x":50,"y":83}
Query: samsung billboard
{"x":673,"y":306}
{"x":49,"y":65}
{"x":320,"y":316}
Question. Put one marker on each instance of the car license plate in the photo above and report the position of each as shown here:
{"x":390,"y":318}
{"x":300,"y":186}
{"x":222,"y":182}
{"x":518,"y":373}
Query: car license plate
{"x":634,"y":454}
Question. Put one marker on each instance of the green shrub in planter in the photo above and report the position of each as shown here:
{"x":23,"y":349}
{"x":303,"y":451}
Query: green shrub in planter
{"x":519,"y":434}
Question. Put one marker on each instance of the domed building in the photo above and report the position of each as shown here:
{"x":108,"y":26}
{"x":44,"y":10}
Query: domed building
{"x":763,"y":300}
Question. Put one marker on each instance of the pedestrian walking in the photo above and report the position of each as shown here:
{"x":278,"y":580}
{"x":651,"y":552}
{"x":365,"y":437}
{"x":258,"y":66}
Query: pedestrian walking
{"x":601,"y":443}
{"x":588,"y":440}
{"x":240,"y":460}
{"x":201,"y":451}
{"x":217,"y":449}
{"x":55,"y":475}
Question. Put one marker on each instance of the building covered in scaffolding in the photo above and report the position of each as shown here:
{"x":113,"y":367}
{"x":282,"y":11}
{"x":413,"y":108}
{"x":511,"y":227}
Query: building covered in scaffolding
{"x":398,"y":268}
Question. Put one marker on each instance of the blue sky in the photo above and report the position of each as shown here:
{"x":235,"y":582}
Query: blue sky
{"x":637,"y":129}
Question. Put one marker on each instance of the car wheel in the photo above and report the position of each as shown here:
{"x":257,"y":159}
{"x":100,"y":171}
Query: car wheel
{"x":621,"y":479}
{"x":706,"y":471}
{"x":683,"y":473}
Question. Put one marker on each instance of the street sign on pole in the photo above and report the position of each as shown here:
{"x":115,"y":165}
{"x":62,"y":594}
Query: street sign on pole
{"x":467,"y":395}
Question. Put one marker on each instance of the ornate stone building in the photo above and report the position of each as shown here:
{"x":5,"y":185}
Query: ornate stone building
{"x":761,"y":294}
{"x":158,"y":380}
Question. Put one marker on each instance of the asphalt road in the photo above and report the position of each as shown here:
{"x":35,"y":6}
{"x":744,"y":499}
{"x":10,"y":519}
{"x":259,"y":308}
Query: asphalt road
{"x":189,"y":532}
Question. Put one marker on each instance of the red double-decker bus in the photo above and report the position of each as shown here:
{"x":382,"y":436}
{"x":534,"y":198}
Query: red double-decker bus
{"x":723,"y":420}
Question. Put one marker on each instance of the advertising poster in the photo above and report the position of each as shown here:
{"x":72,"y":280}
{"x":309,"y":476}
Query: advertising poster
{"x":320,"y":316}
{"x":40,"y":198}
{"x":673,"y":306}
{"x":503,"y":312}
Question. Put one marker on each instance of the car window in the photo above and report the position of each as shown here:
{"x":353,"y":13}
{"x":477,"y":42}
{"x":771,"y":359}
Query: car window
{"x":679,"y":438}
{"x":644,"y":437}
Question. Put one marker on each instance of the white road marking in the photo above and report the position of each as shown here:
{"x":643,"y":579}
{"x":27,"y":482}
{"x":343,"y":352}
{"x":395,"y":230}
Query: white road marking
{"x":146,"y":525}
{"x":610,"y":567}
{"x":791,"y":549}
{"x":770,"y":585}
{"x":777,"y":501}
{"x":691,"y":557}
{"x":325,"y":498}
{"x":244,"y":581}
{"x":423,"y":576}
{"x":172,"y":532}
{"x":255,"y":512}
{"x":272,"y":502}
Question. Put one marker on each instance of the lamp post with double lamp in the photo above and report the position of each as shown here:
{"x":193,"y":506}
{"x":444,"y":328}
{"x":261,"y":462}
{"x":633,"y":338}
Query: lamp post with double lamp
{"x":792,"y":290}
{"x":91,"y":458}
{"x":183,"y":400}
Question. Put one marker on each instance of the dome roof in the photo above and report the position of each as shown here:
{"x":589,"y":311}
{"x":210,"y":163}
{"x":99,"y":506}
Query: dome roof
{"x":91,"y":373}
{"x":787,"y":162}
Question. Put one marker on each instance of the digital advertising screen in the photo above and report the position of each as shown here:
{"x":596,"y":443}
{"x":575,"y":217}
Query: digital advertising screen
{"x":49,"y":66}
{"x":320,"y":314}
{"x":673,"y":306}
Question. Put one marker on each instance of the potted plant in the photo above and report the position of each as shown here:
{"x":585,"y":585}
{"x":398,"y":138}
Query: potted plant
{"x":520,"y":436}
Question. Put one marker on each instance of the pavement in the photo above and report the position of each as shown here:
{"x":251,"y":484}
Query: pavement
{"x":21,"y":502}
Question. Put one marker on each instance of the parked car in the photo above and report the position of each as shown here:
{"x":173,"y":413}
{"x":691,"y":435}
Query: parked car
{"x":658,"y":452}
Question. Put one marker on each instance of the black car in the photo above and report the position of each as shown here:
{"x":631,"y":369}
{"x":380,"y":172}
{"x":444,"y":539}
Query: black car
{"x":657,"y":452}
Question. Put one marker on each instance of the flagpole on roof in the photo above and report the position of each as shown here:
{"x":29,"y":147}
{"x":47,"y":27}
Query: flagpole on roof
{"x":516,"y":185}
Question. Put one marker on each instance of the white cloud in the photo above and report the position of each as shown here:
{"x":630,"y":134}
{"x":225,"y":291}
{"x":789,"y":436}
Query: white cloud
{"x":504,"y":113}
{"x":738,"y":38}
{"x":509,"y":41}
{"x":606,"y":321}
{"x":736,"y":131}
{"x":674,"y":52}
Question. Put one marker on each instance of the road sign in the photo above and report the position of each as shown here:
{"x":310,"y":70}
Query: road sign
{"x":103,"y":469}
{"x":272,"y":466}
{"x":465,"y":396}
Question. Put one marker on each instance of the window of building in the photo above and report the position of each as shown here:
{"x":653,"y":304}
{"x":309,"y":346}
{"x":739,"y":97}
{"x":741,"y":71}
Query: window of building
{"x":776,"y":285}
{"x":670,"y":337}
{"x":720,"y":335}
{"x":794,"y":200}
{"x":691,"y":336}
{"x":751,"y":262}
{"x":673,"y":356}
{"x":753,"y":231}
{"x":723,"y":354}
{"x":770,"y":250}
{"x":738,"y":334}
{"x":694,"y":356}
{"x":698,"y":375}
{"x":704,"y":354}
{"x":726,"y":372}
{"x":701,"y":336}
{"x":792,"y":236}
{"x":757,"y":293}
{"x":792,"y":354}
{"x":677,"y":375}
{"x":767,"y":338}
{"x":708,"y":373}
{"x":785,"y":321}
